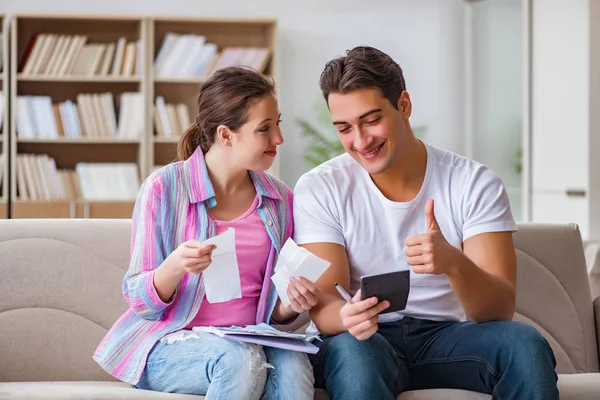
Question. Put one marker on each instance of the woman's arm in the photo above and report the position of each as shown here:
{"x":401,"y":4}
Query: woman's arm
{"x":150,"y":282}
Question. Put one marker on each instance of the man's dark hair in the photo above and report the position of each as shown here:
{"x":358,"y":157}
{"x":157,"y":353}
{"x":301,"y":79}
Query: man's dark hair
{"x":363,"y":67}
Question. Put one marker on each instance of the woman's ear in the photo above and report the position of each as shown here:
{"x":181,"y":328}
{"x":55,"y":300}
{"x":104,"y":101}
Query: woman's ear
{"x":224,"y":135}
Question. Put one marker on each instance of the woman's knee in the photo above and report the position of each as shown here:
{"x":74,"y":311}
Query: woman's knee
{"x":290,"y":375}
{"x":245,"y":365}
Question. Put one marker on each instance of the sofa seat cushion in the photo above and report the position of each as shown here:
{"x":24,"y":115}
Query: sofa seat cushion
{"x":571,"y":386}
{"x":82,"y":391}
{"x":435,"y":394}
{"x":579,"y":386}
{"x":122,"y":391}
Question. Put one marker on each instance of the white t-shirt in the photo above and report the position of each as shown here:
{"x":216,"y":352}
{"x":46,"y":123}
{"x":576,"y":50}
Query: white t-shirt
{"x":338,"y":202}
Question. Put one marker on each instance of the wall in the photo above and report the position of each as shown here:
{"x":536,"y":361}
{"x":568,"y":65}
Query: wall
{"x":424,"y":36}
{"x":497,"y":87}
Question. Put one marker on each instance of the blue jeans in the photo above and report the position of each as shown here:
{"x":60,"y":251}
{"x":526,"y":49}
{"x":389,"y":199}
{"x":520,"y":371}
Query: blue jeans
{"x":205,"y":364}
{"x":508,"y":360}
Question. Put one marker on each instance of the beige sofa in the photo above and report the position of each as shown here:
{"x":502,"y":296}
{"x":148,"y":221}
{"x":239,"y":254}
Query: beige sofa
{"x":60,"y":290}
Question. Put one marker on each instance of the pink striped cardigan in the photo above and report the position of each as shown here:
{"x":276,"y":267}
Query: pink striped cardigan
{"x":172,"y":207}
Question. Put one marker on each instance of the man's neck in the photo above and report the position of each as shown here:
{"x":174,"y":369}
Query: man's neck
{"x":403,"y":180}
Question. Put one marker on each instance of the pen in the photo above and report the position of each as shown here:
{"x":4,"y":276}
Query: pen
{"x":343,"y":293}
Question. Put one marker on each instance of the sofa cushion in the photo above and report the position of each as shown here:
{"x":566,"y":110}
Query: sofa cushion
{"x":121,"y":391}
{"x":571,"y":386}
{"x":579,"y":386}
{"x":552,"y":257}
{"x":83,"y":390}
{"x":437,"y":394}
{"x":61,"y":286}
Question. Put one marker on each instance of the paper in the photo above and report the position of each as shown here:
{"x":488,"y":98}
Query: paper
{"x":265,"y":335}
{"x":295,"y":261}
{"x":222,"y":277}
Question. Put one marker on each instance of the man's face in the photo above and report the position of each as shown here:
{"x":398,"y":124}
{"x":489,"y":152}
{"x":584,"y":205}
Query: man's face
{"x":371,"y":130}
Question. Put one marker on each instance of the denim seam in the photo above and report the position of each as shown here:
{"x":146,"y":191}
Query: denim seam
{"x":164,"y":359}
{"x":406,"y":348}
{"x":495,"y":394}
{"x":454,"y":359}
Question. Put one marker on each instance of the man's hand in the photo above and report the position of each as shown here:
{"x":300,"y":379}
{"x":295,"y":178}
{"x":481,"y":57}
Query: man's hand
{"x":360,"y":318}
{"x":430,"y":253}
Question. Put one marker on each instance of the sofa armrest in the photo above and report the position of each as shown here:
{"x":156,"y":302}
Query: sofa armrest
{"x":597,"y":318}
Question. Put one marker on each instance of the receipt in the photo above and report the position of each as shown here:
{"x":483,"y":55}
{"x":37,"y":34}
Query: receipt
{"x":222,"y":277}
{"x":295,"y":261}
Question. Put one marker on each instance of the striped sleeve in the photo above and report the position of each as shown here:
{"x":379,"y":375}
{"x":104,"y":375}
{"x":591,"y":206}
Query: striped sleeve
{"x":147,"y":254}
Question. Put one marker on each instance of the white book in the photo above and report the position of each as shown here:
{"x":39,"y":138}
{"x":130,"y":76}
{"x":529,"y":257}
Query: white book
{"x":164,"y":53}
{"x":119,"y":55}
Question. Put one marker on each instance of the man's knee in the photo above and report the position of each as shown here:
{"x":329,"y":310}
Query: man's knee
{"x":346,"y":350}
{"x":360,"y":368}
{"x":528,"y":342}
{"x":521,"y":346}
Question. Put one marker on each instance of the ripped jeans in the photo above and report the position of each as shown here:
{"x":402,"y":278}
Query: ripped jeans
{"x":205,"y":364}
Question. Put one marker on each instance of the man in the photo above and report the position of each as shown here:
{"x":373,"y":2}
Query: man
{"x":393,"y":202}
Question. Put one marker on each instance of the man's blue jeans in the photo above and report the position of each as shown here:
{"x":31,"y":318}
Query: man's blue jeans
{"x":508,"y":360}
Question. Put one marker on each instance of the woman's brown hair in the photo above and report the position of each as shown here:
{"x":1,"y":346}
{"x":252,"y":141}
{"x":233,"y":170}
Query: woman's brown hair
{"x":224,"y":100}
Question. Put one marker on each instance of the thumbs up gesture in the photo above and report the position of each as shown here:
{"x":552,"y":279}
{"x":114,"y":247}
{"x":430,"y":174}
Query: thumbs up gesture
{"x":430,"y":253}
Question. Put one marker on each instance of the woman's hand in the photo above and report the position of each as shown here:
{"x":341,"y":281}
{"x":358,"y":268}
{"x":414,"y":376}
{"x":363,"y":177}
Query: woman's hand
{"x":194,"y":256}
{"x":303,"y":294}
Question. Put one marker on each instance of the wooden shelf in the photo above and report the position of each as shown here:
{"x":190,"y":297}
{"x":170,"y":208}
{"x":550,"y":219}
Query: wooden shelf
{"x":90,"y":141}
{"x":4,"y":130}
{"x":107,"y":209}
{"x":43,"y":209}
{"x":71,"y":209}
{"x":71,"y":79}
{"x":185,"y":81}
{"x":95,"y":97}
{"x":166,"y":140}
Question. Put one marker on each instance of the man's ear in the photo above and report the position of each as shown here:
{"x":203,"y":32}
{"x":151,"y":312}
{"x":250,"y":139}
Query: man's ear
{"x":224,"y":135}
{"x":404,"y":104}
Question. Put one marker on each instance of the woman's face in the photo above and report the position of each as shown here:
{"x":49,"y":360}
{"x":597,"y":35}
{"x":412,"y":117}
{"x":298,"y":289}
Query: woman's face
{"x":254,"y":145}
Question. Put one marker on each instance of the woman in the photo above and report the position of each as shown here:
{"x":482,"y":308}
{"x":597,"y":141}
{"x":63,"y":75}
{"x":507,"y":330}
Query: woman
{"x":218,"y":183}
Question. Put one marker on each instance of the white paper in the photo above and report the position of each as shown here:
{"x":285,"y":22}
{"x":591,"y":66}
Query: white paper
{"x":222,"y":277}
{"x":295,"y":261}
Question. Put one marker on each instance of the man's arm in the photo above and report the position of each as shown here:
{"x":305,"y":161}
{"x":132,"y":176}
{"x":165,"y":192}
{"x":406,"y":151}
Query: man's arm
{"x":332,"y":315}
{"x":326,"y":314}
{"x":484,"y":277}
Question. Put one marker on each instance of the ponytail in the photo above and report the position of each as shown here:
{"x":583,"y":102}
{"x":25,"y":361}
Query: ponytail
{"x":189,"y":142}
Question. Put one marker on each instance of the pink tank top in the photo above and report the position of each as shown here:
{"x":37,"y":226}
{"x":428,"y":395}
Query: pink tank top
{"x":252,"y":244}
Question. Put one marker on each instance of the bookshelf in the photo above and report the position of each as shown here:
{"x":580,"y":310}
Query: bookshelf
{"x":78,"y":118}
{"x":183,"y":53}
{"x":86,"y":127}
{"x":4,"y":84}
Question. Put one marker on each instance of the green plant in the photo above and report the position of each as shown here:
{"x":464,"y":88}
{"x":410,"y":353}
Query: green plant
{"x":325,"y":144}
{"x":518,"y":164}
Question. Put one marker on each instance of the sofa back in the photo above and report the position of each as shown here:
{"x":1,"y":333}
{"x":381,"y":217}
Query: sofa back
{"x":553,"y":293}
{"x":60,"y":291}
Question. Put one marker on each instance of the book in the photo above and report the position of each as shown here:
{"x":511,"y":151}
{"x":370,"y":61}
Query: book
{"x":265,"y":335}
